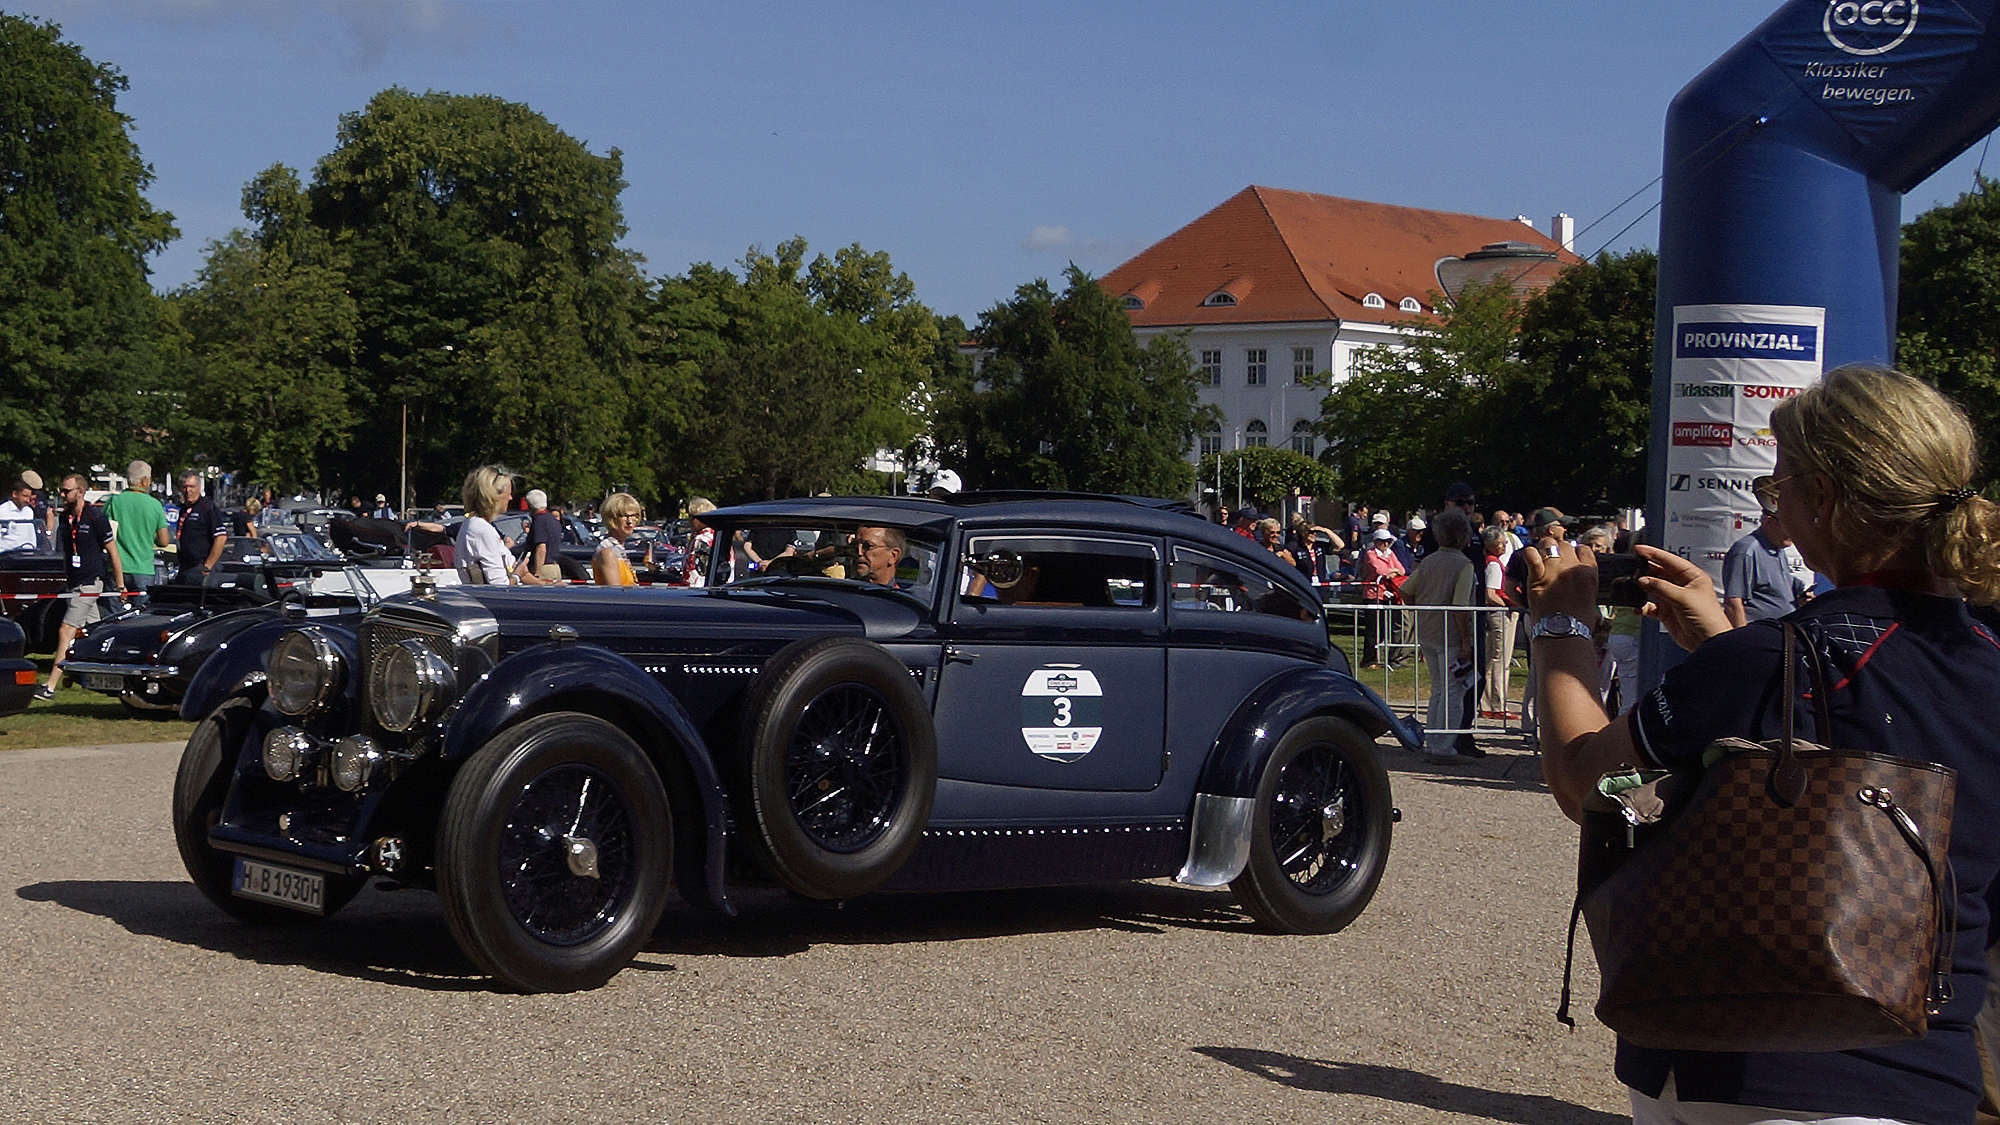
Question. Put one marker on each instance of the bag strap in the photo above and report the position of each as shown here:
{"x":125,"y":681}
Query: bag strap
{"x":1787,"y":781}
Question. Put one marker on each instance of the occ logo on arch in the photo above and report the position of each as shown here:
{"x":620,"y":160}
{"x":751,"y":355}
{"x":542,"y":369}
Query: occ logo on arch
{"x":1869,"y":27}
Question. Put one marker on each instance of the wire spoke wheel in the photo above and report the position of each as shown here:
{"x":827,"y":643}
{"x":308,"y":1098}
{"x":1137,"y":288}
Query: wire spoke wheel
{"x":565,"y":855}
{"x":1316,"y":818}
{"x":1319,"y":831}
{"x":555,"y":853}
{"x":846,"y":768}
{"x":840,"y":761}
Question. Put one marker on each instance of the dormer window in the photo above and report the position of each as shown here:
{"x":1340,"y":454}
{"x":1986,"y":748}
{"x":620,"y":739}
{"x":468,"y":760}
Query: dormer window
{"x":1374,"y":301}
{"x":1220,"y":299}
{"x":1133,"y":303}
{"x":1409,"y":304}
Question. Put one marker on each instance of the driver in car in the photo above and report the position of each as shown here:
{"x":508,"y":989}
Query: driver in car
{"x":878,"y":550}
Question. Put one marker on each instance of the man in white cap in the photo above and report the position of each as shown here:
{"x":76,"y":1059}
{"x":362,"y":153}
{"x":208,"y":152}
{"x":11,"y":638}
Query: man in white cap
{"x":382,"y":509}
{"x":945,"y":484}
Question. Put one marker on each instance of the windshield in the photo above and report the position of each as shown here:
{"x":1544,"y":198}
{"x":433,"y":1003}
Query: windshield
{"x":862,"y":554}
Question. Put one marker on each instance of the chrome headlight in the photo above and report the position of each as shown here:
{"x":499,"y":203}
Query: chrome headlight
{"x":288,"y":752}
{"x":355,"y":760}
{"x":410,"y":684}
{"x":304,"y":671}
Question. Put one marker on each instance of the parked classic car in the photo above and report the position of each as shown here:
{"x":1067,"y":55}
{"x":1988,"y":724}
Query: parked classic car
{"x":1045,"y":689}
{"x":147,"y":656}
{"x":17,"y":674}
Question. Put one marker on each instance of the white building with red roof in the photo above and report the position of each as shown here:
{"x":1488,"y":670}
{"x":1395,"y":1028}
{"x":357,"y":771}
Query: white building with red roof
{"x":1277,"y":290}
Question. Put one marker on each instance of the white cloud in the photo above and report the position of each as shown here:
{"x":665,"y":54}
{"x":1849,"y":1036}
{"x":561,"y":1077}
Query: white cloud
{"x":1048,"y":240}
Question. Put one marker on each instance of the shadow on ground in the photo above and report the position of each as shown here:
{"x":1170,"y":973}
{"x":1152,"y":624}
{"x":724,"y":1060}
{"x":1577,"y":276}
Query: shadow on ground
{"x":1412,"y":1087}
{"x":399,"y":937}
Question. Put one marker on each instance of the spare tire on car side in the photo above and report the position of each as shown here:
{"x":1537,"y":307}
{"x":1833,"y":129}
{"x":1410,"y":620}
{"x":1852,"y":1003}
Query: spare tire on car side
{"x":841,"y":764}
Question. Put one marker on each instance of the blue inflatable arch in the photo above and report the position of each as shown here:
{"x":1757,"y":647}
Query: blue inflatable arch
{"x":1785,"y":165}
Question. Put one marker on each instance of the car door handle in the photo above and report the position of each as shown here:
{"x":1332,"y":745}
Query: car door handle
{"x":955,"y":655}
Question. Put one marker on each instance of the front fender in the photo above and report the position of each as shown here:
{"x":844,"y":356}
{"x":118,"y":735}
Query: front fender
{"x":1264,"y":716}
{"x":586,"y":677}
{"x":238,"y":665}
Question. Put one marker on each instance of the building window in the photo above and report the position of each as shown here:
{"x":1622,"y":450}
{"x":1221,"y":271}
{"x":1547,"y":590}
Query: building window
{"x":1220,"y":299}
{"x":1302,"y":366}
{"x":1134,"y":303}
{"x":1211,"y":367}
{"x":1211,"y":442}
{"x":1409,"y":304}
{"x":1302,"y":437}
{"x":1256,"y":365}
{"x":1374,"y":301}
{"x":1353,"y":362}
{"x":1255,"y":436}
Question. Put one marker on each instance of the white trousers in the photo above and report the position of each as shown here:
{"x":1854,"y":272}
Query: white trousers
{"x":1667,"y":1109}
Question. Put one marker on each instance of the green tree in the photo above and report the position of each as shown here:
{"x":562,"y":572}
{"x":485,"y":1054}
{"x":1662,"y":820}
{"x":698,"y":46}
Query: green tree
{"x":77,"y":319}
{"x":1067,"y":399}
{"x":1569,"y":424}
{"x":272,"y":332}
{"x":1264,"y":475}
{"x":1948,"y":327}
{"x":1399,"y":428}
{"x":495,"y":304}
{"x":818,"y":366}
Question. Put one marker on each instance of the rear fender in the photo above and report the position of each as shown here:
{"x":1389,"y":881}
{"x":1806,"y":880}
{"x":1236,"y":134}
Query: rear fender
{"x":1263,"y":717}
{"x":597,"y":681}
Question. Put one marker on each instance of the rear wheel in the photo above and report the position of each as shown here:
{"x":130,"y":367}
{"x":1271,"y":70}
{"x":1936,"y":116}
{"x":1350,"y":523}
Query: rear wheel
{"x":555,"y":853}
{"x":200,"y":787}
{"x":1319,"y":832}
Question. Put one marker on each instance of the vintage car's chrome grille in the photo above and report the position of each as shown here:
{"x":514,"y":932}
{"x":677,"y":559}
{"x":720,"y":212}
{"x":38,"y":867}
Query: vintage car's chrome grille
{"x":378,"y":635}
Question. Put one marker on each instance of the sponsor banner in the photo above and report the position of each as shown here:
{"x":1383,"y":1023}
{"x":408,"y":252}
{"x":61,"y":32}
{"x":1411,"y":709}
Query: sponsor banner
{"x":1732,"y":365}
{"x":1875,"y":67}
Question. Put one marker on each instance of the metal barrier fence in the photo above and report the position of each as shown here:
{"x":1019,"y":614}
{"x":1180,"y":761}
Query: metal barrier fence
{"x":1385,"y":639}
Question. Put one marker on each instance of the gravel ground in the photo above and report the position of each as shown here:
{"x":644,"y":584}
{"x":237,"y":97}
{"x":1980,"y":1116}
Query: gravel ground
{"x":129,"y":999}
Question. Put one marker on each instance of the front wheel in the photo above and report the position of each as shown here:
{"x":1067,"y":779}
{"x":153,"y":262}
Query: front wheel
{"x":554,"y":853}
{"x":200,"y":787}
{"x":1319,"y":832}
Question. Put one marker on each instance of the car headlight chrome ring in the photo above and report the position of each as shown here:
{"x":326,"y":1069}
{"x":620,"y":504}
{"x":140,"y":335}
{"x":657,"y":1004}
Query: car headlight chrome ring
{"x":355,"y":760}
{"x":411,"y":684}
{"x":304,"y":671}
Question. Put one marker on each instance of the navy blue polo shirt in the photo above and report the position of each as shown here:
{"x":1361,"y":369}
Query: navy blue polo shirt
{"x":82,"y":540}
{"x":1911,"y":675}
{"x":201,"y":524}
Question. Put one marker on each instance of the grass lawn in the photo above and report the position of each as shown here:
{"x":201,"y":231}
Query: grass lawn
{"x":85,"y":718}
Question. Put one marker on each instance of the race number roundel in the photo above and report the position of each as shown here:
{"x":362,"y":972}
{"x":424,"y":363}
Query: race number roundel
{"x":1062,"y":710}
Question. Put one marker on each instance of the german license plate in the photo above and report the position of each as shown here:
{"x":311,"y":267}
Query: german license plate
{"x":296,"y":890}
{"x":103,"y":681}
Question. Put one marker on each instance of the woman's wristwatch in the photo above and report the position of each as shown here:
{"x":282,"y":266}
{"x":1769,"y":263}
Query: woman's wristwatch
{"x":1559,"y":625}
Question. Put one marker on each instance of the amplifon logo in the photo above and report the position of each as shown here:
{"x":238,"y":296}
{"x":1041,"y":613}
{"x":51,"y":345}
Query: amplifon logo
{"x":1869,"y":27}
{"x":1703,"y":433}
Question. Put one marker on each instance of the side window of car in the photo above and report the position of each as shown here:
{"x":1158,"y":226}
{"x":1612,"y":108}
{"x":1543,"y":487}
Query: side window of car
{"x":1061,"y":570}
{"x":1203,"y":582}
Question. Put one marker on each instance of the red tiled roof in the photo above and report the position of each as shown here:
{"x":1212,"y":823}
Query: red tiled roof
{"x":1293,"y":255}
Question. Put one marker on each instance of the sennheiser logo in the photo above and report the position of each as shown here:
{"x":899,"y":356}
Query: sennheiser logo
{"x":1869,"y":27}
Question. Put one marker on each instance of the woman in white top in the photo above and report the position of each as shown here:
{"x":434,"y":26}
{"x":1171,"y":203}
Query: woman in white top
{"x":480,"y":553}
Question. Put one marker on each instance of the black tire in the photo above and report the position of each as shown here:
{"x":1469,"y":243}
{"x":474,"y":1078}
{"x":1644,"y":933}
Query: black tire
{"x":514,"y":900}
{"x":842,"y":763}
{"x":1319,"y":835}
{"x":200,"y":787}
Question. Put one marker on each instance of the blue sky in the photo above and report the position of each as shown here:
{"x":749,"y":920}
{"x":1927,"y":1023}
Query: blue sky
{"x":980,"y":145}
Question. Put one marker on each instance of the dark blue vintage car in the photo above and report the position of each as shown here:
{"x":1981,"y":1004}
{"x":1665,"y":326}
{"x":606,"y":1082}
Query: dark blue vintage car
{"x":870,"y":695}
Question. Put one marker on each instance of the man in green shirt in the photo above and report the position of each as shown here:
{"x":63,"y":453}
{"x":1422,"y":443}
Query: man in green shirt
{"x":142,"y":525}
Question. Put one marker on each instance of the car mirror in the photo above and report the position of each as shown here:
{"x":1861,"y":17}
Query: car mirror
{"x":1002,"y":568}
